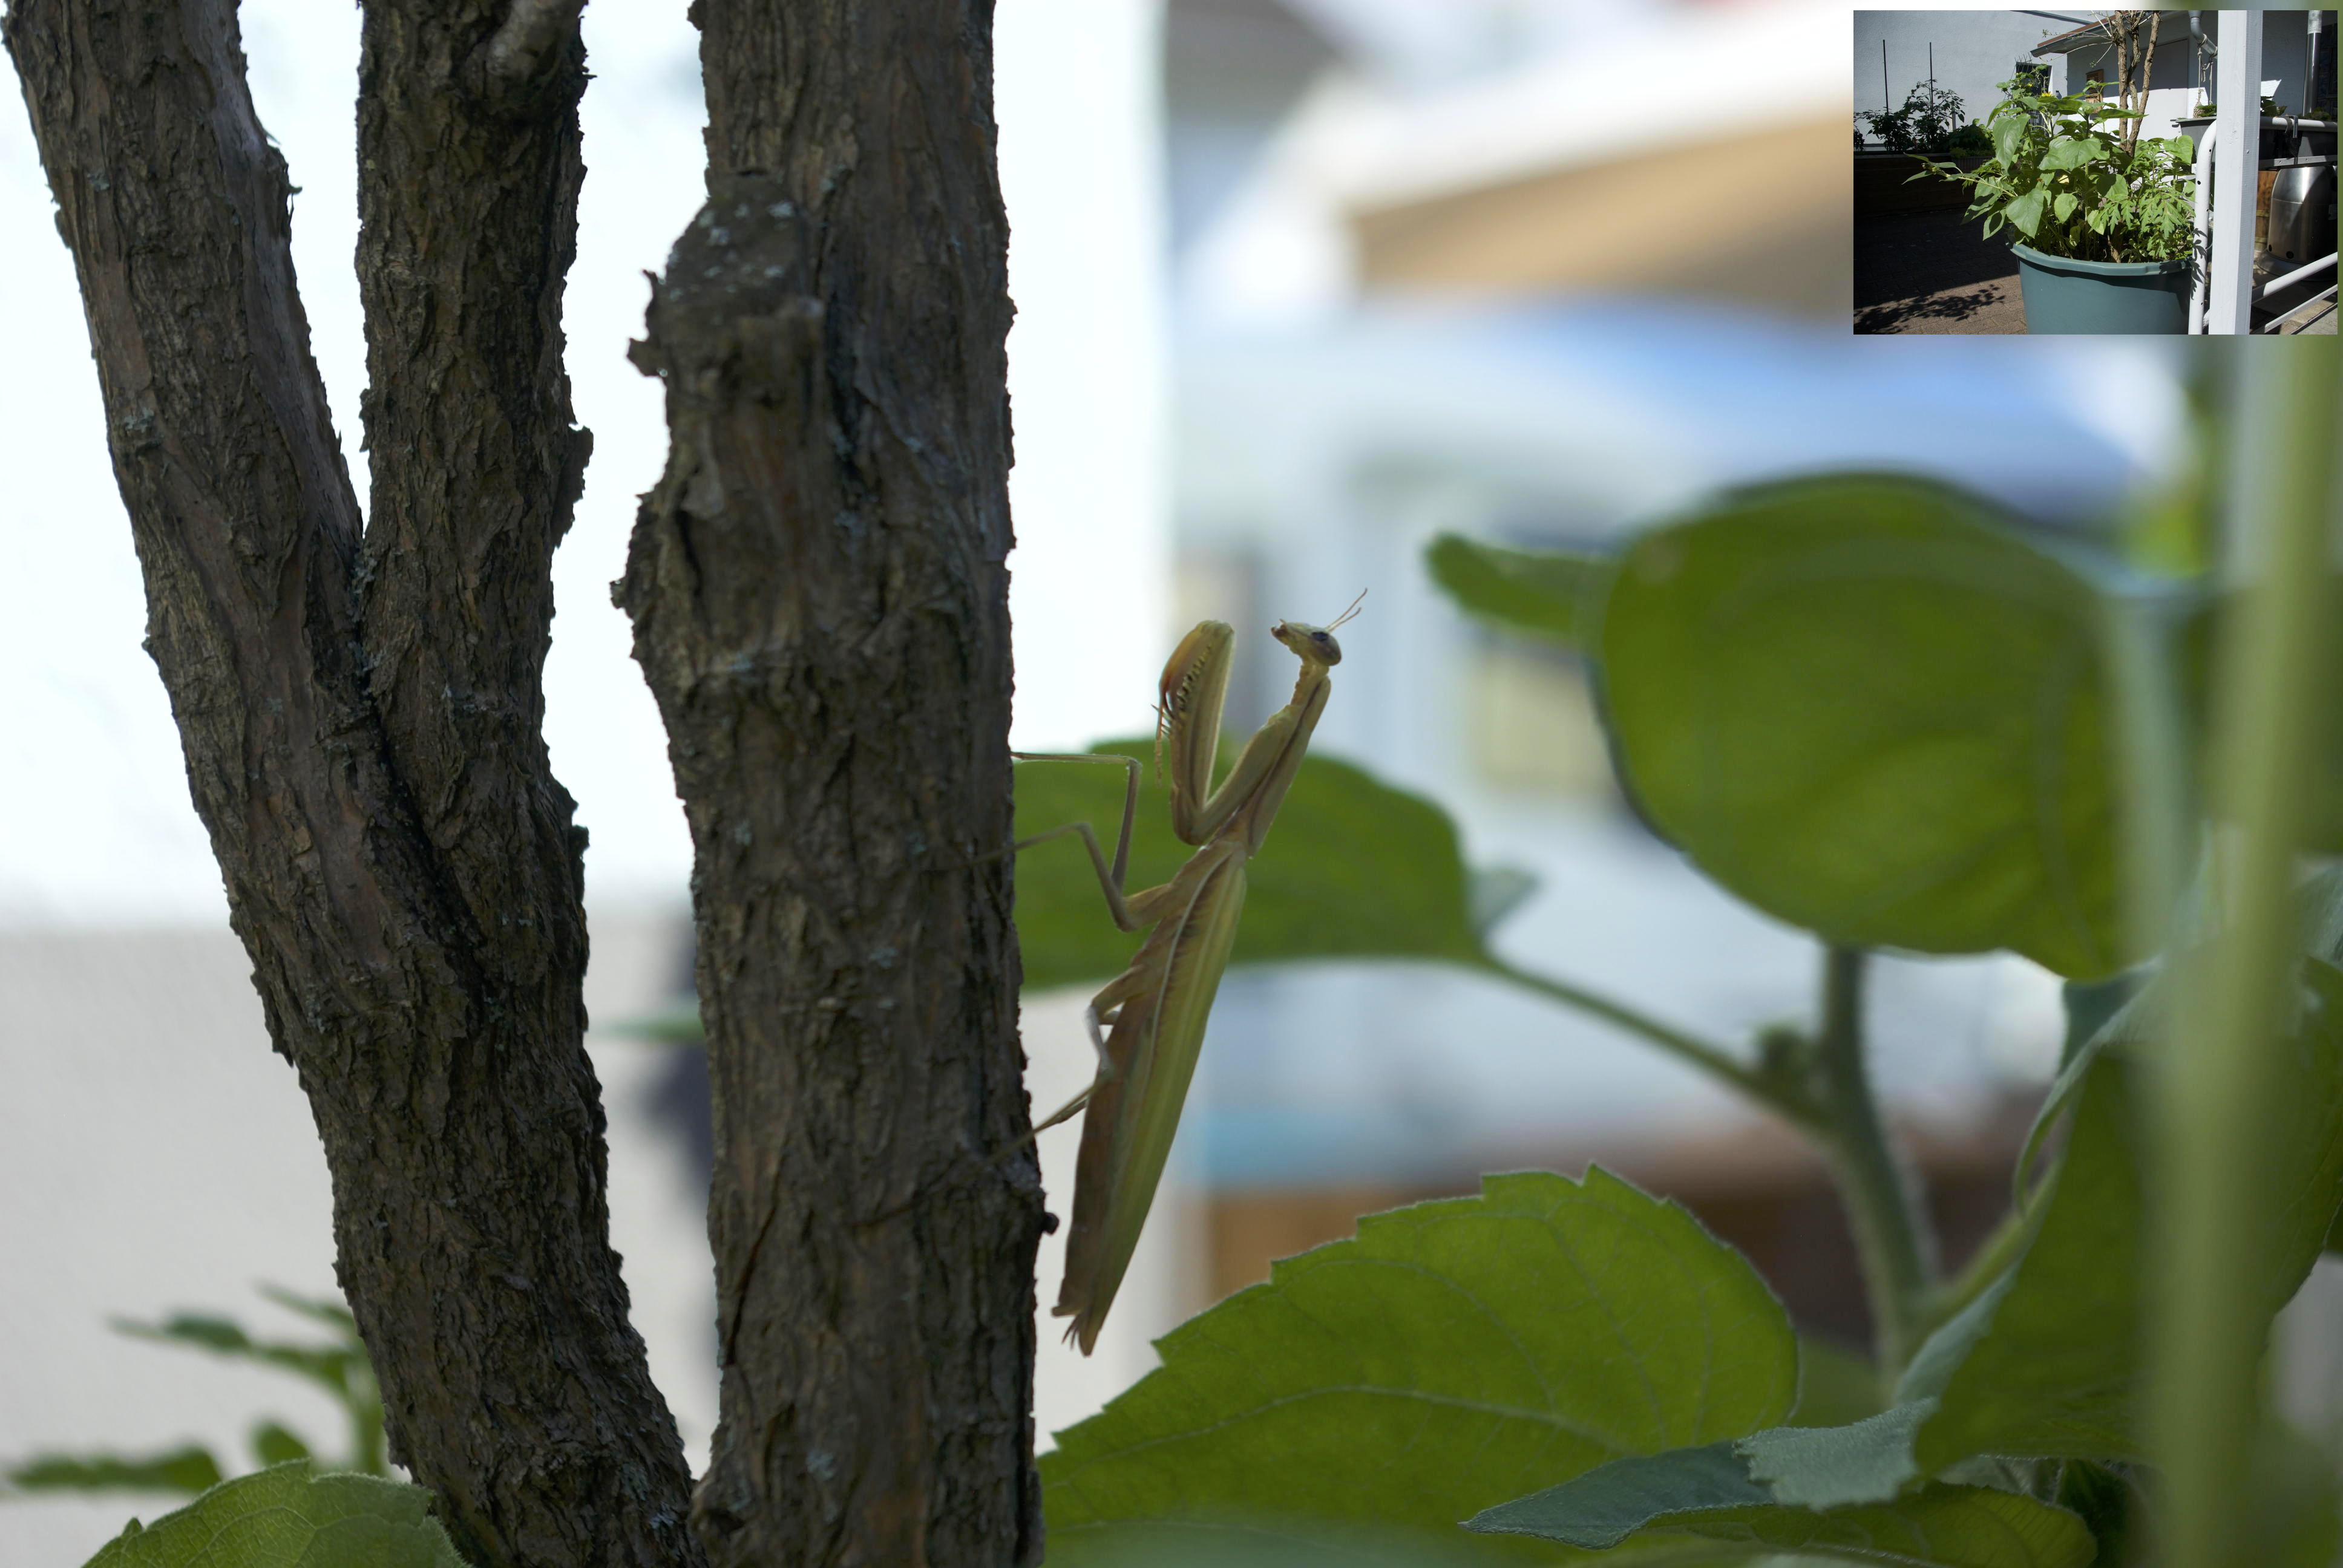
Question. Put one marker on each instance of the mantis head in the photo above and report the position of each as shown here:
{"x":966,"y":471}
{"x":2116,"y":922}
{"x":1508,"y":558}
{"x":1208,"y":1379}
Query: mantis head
{"x":1314,"y":644}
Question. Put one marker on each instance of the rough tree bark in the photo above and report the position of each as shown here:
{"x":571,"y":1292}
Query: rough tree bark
{"x":820,"y":605}
{"x":359,"y":711}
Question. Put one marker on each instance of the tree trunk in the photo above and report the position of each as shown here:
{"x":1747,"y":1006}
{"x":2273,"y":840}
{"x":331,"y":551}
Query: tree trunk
{"x":820,"y":605}
{"x":360,"y":714}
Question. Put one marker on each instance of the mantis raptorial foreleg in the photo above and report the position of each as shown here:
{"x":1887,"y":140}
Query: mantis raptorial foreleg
{"x":1158,"y":1007}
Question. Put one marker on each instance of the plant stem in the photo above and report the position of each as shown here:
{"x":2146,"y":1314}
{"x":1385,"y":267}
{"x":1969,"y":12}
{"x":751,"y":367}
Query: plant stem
{"x":1713,"y":1060}
{"x":1891,"y":1228}
{"x":2228,"y":1070}
{"x":1997,"y":1251}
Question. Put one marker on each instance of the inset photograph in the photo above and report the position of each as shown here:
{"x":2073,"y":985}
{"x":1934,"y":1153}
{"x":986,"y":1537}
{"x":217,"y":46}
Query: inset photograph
{"x":2094,"y":172}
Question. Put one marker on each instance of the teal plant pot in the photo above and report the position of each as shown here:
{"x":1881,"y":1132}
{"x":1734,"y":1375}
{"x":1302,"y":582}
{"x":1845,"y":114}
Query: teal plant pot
{"x":2063,"y":296}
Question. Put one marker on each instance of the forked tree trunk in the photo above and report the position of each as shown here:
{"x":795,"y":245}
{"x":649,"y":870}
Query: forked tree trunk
{"x":360,"y":712}
{"x":821,"y":604}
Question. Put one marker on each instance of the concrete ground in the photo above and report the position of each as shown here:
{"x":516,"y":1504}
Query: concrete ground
{"x":1931,"y":272}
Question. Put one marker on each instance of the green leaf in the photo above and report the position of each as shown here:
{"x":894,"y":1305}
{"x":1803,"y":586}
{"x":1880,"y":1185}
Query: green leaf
{"x":1863,"y":704}
{"x":2049,"y":1363}
{"x":2064,"y":205}
{"x":329,"y":1366}
{"x":2025,"y":212}
{"x":1351,"y":868}
{"x":1836,"y":1387}
{"x":1552,"y":594}
{"x":1454,"y":1355}
{"x":2072,"y":153}
{"x":1707,"y":1492}
{"x":342,"y":1369}
{"x":273,"y":1442}
{"x":290,"y":1517}
{"x":1827,"y":1467}
{"x":2008,"y":131}
{"x":2297,"y":1520}
{"x":190,"y":1470}
{"x":677,"y":1025}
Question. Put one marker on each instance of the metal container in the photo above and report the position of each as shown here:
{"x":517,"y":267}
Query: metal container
{"x":2302,"y":214}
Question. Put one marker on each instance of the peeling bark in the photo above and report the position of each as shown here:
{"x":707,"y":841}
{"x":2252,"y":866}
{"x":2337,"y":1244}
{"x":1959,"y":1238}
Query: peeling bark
{"x":820,"y":606}
{"x":360,"y":712}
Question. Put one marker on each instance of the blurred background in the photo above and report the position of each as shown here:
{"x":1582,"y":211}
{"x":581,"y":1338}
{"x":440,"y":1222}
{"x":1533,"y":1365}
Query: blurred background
{"x":1300,"y":284}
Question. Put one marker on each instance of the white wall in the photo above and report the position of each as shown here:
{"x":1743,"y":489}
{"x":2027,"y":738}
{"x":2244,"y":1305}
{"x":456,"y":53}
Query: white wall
{"x":95,"y":820}
{"x":1974,"y":51}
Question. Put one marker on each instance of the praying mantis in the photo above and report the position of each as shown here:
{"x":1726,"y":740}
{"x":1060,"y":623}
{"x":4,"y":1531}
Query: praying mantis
{"x":1156,"y":1008}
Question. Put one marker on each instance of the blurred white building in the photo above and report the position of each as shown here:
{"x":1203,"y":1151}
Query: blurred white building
{"x":1543,"y":291}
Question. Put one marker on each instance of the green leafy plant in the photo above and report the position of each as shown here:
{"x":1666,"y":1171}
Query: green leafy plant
{"x":1925,"y":122}
{"x":2074,"y":186}
{"x":1969,"y":141}
{"x":340,"y":1367}
{"x":1888,"y":712}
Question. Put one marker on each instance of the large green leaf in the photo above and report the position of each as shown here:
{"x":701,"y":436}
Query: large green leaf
{"x":2008,"y":127}
{"x":1707,"y":1492}
{"x":1453,"y":1355}
{"x":2025,"y":212}
{"x":1871,"y":709}
{"x":1552,"y":594}
{"x":1351,"y":868}
{"x":291,"y":1517}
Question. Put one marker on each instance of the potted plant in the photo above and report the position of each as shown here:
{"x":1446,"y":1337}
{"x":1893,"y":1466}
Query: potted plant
{"x":1928,"y":125}
{"x":2107,"y":216}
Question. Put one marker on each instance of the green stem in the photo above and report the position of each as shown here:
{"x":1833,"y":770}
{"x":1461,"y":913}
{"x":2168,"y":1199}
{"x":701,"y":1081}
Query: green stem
{"x":2230,"y":1066}
{"x":1891,"y":1228}
{"x":1713,"y":1060}
{"x":1996,"y":1252}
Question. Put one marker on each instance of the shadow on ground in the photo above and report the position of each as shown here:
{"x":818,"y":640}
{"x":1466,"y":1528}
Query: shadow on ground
{"x":1933,"y":272}
{"x":1905,"y":314}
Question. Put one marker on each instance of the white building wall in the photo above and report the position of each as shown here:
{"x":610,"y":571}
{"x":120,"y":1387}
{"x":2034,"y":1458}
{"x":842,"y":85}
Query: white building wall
{"x":1973,"y":50}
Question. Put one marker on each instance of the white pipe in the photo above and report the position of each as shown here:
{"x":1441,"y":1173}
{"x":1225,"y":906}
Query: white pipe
{"x":2322,"y":297}
{"x":2275,"y":284}
{"x":2203,"y":228}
